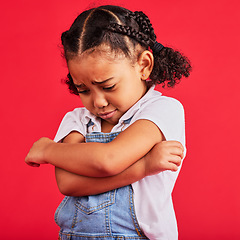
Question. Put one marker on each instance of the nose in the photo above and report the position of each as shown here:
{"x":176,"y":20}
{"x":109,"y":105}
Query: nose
{"x":99,"y":100}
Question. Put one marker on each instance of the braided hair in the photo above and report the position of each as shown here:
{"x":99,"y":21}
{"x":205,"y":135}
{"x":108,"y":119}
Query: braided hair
{"x":123,"y":30}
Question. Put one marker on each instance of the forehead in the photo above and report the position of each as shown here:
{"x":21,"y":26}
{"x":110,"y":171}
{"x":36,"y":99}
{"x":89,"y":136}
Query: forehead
{"x":104,"y":51}
{"x":91,"y":62}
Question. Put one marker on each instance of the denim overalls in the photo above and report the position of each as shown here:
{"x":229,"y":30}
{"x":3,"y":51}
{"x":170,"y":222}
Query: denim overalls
{"x":109,"y":215}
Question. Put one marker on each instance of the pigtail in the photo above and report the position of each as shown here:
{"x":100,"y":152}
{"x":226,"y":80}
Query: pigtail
{"x":169,"y":67}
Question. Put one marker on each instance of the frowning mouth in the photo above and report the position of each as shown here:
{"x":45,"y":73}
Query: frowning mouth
{"x":106,"y":115}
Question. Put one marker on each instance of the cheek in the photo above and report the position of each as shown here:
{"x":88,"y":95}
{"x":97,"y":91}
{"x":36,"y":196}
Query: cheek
{"x":116,"y":99}
{"x":85,"y":101}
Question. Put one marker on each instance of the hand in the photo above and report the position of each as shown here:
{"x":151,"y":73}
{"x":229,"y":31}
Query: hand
{"x":166,"y":155}
{"x":35,"y":156}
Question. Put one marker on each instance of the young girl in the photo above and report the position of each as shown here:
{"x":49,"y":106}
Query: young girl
{"x":112,"y":159}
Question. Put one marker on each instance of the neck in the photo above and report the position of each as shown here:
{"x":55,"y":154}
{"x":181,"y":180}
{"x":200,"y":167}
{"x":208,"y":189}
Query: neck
{"x":106,"y":127}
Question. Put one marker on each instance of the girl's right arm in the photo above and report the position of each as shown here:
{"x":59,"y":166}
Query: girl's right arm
{"x":164,"y":156}
{"x":98,"y":159}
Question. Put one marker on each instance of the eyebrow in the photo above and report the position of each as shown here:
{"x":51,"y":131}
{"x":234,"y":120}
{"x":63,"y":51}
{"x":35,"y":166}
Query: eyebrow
{"x":93,"y":82}
{"x":98,"y":83}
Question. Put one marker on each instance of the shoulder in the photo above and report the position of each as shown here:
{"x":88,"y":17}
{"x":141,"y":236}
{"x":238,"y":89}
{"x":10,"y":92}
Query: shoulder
{"x":76,"y":113}
{"x":72,"y":121}
{"x":170,"y":100}
{"x":77,"y":118}
{"x":159,"y":104}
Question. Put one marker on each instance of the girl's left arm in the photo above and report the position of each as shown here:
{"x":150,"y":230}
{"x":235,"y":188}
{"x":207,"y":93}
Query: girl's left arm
{"x":166,"y":155}
{"x":98,"y":159}
{"x":71,"y":184}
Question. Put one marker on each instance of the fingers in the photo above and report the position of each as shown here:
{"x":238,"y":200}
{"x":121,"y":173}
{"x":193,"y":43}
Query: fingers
{"x":29,"y":161}
{"x":169,"y":166}
{"x":174,"y":144}
{"x":173,"y":168}
{"x":175,"y":148}
{"x":32,"y":164}
{"x":176,"y":160}
{"x":177,"y":151}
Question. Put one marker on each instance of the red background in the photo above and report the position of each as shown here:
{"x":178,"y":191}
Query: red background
{"x":33,"y":102}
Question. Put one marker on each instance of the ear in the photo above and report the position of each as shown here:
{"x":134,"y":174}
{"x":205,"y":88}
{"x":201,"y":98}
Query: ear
{"x":146,"y":62}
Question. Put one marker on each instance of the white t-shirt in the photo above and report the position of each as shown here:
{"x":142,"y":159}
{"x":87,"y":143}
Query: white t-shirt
{"x":152,"y":194}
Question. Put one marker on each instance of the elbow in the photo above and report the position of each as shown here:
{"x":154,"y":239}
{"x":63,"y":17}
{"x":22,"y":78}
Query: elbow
{"x":68,"y":190}
{"x":65,"y":189}
{"x":66,"y":185}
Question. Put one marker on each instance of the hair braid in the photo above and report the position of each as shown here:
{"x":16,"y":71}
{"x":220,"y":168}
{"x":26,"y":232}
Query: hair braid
{"x":145,"y":25}
{"x":130,"y":32}
{"x":170,"y":66}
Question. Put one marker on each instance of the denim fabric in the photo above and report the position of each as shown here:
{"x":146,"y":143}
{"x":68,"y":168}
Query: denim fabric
{"x":109,"y":215}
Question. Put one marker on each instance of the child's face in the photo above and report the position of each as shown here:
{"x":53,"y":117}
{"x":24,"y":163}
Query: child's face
{"x":107,"y":87}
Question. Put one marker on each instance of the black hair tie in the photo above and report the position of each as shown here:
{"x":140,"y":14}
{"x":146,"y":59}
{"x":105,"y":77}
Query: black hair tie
{"x":157,"y":47}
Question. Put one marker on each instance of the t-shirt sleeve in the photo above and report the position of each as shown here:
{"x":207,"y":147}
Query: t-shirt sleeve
{"x":168,"y":114}
{"x":71,"y":122}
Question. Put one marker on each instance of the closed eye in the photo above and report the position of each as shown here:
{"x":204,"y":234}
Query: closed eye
{"x":109,"y":88}
{"x":83,"y":91}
